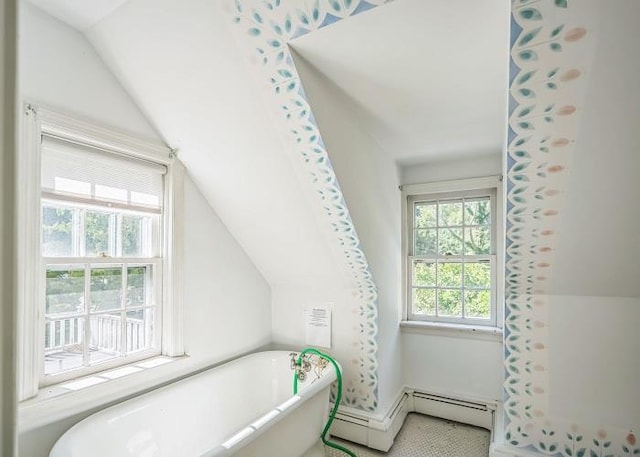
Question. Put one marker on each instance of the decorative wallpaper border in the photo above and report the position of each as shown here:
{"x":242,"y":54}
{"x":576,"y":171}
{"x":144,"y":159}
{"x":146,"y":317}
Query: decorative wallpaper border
{"x":265,"y":27}
{"x":552,"y":48}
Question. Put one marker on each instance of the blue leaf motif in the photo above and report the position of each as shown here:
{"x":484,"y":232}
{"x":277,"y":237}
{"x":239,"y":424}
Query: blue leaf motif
{"x":528,"y":93}
{"x":526,"y":77}
{"x":556,"y":31}
{"x":526,"y":111}
{"x":556,"y":47}
{"x":285,"y":73}
{"x":256,"y":17}
{"x":561,"y":3}
{"x":276,"y":28}
{"x":530,"y":14}
{"x":335,"y":4}
{"x":274,"y":43}
{"x":303,"y":17}
{"x":253,"y":31}
{"x":287,"y":24}
{"x":529,"y":36}
{"x":528,"y":55}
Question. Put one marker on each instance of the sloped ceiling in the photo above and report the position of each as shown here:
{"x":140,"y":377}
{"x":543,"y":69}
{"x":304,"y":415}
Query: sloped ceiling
{"x":429,"y":77}
{"x":180,"y":64}
{"x":80,"y":14}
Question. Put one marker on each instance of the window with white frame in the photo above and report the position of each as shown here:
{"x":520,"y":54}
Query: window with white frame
{"x":101,"y":238}
{"x":104,"y":275}
{"x":452,"y":255}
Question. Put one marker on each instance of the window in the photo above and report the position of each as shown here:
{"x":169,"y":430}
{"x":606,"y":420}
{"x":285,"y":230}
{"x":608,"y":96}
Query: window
{"x":100,"y":247}
{"x":99,"y":262}
{"x":452,"y":254}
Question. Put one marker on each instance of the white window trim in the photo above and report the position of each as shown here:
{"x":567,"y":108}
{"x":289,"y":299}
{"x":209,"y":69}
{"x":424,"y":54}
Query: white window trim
{"x":441,"y":187}
{"x":35,"y":122}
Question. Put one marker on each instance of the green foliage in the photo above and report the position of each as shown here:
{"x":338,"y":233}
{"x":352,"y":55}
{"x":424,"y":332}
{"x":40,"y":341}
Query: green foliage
{"x":131,"y":236}
{"x":64,"y":290}
{"x":56,"y":231}
{"x":453,"y":227}
{"x":105,"y":288}
{"x":96,"y":229}
{"x":449,"y":231}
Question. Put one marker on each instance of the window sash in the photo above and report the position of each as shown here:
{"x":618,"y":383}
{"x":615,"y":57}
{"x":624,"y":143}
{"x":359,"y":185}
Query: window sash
{"x":78,"y":229}
{"x":411,"y":229}
{"x":123,"y":358}
{"x":469,"y":320}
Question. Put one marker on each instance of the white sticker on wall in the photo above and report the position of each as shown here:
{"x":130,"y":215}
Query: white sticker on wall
{"x":318,"y":325}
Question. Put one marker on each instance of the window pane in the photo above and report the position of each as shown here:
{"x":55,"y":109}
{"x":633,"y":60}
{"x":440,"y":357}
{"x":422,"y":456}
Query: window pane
{"x":106,"y":337}
{"x":477,"y":303}
{"x":477,"y":275}
{"x":424,"y":301}
{"x":450,"y":241}
{"x":450,"y":302}
{"x":96,"y":232}
{"x":477,"y":212}
{"x":132,"y":240}
{"x":57,"y":232}
{"x":449,"y":274}
{"x":139,"y":330}
{"x":425,"y":242}
{"x":424,"y":273}
{"x":425,"y":215}
{"x":106,"y":288}
{"x":64,"y":289}
{"x":137,"y":285}
{"x":450,"y":213}
{"x":477,"y":240}
{"x":63,"y":344}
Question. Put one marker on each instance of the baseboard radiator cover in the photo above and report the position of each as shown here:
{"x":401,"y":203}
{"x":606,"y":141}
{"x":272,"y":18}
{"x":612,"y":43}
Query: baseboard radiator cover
{"x":379,"y":433}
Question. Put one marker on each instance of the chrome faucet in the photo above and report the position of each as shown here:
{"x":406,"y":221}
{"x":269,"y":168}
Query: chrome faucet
{"x":304,"y":367}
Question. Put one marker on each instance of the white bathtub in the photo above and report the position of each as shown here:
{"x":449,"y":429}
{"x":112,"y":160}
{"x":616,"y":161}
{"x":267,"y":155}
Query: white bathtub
{"x":244,"y":408}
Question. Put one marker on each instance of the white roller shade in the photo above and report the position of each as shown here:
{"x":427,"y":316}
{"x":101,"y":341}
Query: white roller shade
{"x":73,"y":171}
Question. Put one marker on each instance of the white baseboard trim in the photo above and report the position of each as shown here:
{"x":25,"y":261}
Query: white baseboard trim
{"x":379,"y":432}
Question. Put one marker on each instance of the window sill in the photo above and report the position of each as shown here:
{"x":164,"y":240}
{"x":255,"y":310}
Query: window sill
{"x":87,"y":394}
{"x":477,"y":332}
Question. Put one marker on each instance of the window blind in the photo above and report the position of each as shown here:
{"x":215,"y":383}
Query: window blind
{"x":72,"y":171}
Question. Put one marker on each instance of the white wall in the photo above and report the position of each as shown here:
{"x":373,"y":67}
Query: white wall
{"x":227,"y":302}
{"x":453,"y":365}
{"x":594,"y":366}
{"x":59,"y":69}
{"x":368,"y":179}
{"x":445,"y":170}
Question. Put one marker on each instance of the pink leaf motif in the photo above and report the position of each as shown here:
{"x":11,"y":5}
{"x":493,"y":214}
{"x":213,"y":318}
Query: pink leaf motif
{"x":575,"y":34}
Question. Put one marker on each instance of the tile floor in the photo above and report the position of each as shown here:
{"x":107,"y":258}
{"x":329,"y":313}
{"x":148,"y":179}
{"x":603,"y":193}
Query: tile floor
{"x":425,"y":436}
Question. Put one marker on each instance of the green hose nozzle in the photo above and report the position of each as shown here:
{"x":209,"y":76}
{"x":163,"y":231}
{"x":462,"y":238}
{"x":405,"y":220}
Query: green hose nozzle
{"x":338,"y":396}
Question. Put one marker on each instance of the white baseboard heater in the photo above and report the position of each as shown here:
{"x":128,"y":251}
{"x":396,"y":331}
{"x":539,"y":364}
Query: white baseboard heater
{"x":376,"y":433}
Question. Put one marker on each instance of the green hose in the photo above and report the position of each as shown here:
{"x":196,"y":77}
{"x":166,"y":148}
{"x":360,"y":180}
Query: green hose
{"x":338,"y":396}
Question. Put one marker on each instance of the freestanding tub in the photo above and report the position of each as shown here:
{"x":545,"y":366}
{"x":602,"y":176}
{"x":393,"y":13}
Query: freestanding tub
{"x":244,"y":408}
